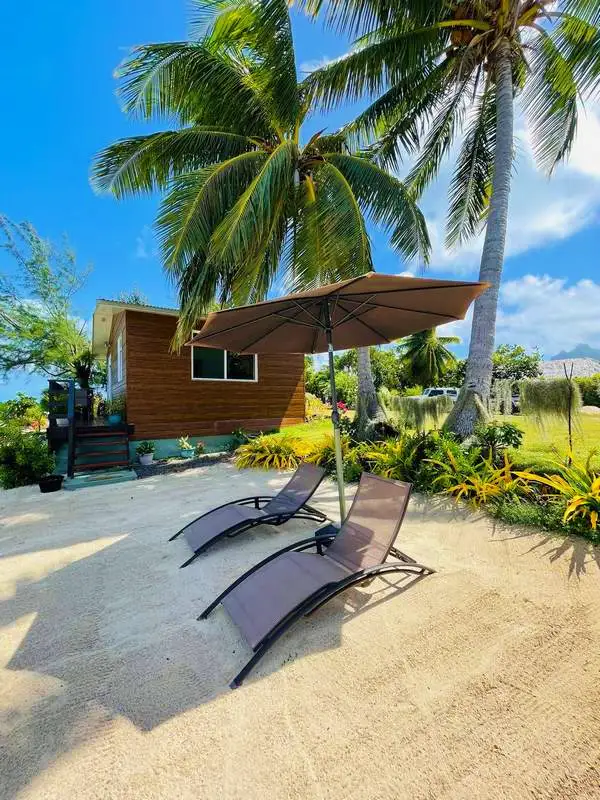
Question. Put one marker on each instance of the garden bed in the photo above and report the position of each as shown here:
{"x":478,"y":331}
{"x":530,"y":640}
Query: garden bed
{"x":168,"y":465}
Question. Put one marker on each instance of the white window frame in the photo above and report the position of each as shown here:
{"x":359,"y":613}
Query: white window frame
{"x":225,"y":378}
{"x":120,"y":358}
{"x":109,"y":377}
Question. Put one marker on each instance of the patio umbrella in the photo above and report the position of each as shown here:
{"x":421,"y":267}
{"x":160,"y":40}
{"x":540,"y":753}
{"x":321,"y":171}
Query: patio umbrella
{"x":371,"y":309}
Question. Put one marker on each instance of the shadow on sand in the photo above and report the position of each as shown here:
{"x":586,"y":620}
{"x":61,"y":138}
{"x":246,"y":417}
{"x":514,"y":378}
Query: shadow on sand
{"x":113,"y":633}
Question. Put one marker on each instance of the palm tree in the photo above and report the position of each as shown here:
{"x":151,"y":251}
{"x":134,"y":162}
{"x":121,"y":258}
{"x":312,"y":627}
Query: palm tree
{"x":443,"y":69}
{"x":248,"y":202}
{"x":426,"y":356}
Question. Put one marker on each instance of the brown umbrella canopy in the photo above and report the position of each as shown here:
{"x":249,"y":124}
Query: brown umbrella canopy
{"x":372,"y":309}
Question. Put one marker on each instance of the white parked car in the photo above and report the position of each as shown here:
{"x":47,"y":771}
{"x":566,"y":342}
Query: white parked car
{"x":438,"y":391}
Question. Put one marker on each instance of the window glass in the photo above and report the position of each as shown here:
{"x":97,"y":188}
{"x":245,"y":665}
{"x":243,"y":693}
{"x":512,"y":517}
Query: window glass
{"x":240,"y":368}
{"x":436,"y":392}
{"x":207,"y":363}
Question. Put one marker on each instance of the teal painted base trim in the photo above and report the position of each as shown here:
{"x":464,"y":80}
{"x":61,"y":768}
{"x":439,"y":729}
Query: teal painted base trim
{"x":169,"y":447}
{"x":97,"y":478}
{"x":61,"y":459}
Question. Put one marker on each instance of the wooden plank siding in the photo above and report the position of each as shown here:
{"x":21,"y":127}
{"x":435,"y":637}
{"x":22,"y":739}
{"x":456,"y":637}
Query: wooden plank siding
{"x":118,"y":329}
{"x":164,"y":402}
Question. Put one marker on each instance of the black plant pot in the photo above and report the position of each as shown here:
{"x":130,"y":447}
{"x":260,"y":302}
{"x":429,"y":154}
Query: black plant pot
{"x":51,"y":483}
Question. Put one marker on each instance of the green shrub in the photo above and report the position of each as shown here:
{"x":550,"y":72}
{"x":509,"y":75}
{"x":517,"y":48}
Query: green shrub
{"x":493,"y":437}
{"x":322,"y":453}
{"x":270,"y":452}
{"x":480,"y":482}
{"x":145,"y":448}
{"x":590,"y":390}
{"x":399,"y":458}
{"x":413,"y":391}
{"x":24,"y":457}
{"x":315,"y":407}
{"x":115,"y":406}
{"x":537,"y":513}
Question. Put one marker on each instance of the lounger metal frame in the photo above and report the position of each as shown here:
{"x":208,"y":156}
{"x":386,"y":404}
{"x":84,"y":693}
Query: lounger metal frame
{"x":318,"y":598}
{"x":304,"y":512}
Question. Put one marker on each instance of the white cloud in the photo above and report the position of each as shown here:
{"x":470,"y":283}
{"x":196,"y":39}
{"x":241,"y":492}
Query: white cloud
{"x":549,"y":313}
{"x":310,"y":66}
{"x":541,"y":311}
{"x":145,"y":244}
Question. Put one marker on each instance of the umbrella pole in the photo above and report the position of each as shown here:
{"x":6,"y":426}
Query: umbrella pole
{"x":335,"y":418}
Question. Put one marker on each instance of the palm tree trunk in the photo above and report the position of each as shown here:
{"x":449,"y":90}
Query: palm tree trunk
{"x":474,"y":396}
{"x":367,"y":407}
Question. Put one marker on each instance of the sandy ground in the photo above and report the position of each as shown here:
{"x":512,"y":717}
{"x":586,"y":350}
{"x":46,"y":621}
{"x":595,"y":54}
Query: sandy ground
{"x":481,"y":681}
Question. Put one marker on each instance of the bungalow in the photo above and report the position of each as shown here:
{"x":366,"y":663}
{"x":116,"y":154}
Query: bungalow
{"x":199,"y":392}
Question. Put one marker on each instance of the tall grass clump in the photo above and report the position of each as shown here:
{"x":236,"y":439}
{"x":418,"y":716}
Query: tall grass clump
{"x":418,"y":413}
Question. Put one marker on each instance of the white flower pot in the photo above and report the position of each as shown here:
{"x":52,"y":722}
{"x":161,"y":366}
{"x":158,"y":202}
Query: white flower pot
{"x":146,"y":459}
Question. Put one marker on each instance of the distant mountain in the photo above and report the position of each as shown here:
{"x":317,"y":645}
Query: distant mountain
{"x":579,"y":351}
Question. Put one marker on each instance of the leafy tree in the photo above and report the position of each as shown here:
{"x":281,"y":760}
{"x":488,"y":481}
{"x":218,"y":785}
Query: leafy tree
{"x":426,"y":356}
{"x":134,"y":297}
{"x":445,"y":69}
{"x":248,"y":200}
{"x":515,"y":363}
{"x":39,"y":331}
{"x":23,"y":410}
{"x":387,"y":367}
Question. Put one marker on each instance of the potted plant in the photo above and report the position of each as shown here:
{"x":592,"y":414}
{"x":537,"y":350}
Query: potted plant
{"x":199,"y":449}
{"x":186,"y":449}
{"x":50,"y":483}
{"x":145,"y":451}
{"x":115,"y":410}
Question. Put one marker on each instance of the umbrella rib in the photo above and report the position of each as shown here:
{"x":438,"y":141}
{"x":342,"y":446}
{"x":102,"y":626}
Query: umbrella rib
{"x":285,"y":319}
{"x":239,"y":324}
{"x":306,"y":311}
{"x":400,"y":308}
{"x":351,"y":313}
{"x":366,"y":325}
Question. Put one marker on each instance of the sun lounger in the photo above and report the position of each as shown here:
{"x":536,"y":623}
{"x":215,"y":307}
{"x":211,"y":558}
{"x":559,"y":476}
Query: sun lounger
{"x":292,"y":583}
{"x":239,"y":516}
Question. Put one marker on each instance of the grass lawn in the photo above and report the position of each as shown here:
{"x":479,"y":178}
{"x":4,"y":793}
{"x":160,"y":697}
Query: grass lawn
{"x":541,"y":447}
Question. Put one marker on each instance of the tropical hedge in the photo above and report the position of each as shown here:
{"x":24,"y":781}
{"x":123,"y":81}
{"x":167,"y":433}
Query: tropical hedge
{"x":478,"y":471}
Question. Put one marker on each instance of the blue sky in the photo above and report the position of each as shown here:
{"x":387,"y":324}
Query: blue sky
{"x":60,"y":109}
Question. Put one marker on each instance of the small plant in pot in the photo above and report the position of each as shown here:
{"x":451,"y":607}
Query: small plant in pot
{"x":199,"y":449}
{"x":145,"y":451}
{"x":186,"y":448}
{"x":115,"y":410}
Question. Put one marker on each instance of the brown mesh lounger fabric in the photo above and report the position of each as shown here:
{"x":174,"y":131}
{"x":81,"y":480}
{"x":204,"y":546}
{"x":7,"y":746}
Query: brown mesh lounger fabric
{"x":239,"y":516}
{"x":292,"y":583}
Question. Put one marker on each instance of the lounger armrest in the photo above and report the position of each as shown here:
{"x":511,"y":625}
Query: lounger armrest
{"x":255,"y":501}
{"x":303,"y":544}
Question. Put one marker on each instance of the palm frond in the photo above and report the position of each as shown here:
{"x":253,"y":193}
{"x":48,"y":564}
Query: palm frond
{"x":145,"y":163}
{"x":197,"y":203}
{"x":550,"y":103}
{"x":471,"y":183}
{"x":244,"y":231}
{"x":373,"y":67}
{"x":447,"y":123}
{"x":189,"y":81}
{"x":396,"y":118}
{"x":355,"y":16}
{"x":329,"y":237}
{"x":387,"y":202}
{"x":579,"y":42}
